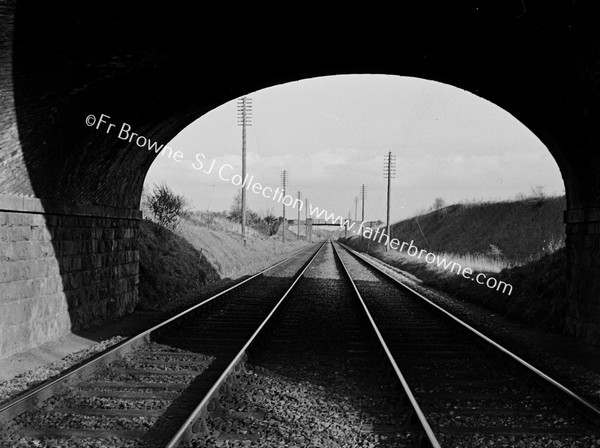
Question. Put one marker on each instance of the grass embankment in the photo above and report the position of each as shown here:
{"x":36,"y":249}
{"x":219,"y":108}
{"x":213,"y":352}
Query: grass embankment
{"x":530,"y":236}
{"x":199,"y":252}
{"x":522,"y":230}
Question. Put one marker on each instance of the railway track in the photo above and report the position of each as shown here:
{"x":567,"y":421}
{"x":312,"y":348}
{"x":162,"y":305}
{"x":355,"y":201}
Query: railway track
{"x":341,"y":354}
{"x":155,"y":389}
{"x":318,"y":380}
{"x":463,"y":389}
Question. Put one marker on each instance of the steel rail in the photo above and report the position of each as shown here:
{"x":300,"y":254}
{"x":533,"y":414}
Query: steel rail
{"x":186,"y":431}
{"x":424,"y":424}
{"x":586,"y":408}
{"x":31,"y":398}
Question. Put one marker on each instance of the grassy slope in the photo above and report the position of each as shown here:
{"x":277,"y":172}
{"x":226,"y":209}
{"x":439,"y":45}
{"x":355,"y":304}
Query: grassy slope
{"x":539,"y":291}
{"x":169,"y":266}
{"x":521,"y":229}
{"x":197,"y":253}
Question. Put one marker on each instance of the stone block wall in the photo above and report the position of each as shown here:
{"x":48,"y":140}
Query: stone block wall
{"x":64,"y":270}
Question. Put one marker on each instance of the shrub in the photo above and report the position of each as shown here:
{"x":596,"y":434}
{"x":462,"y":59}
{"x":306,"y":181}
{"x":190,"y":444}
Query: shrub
{"x":438,"y":204}
{"x":167,"y":208}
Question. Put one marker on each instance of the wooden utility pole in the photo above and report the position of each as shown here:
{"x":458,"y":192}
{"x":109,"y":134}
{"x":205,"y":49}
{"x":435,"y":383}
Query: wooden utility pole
{"x":363,"y":191}
{"x":389,"y":171}
{"x":244,"y":119}
{"x":346,"y":228}
{"x":298,"y":217}
{"x":284,"y":178}
{"x":306,"y":218}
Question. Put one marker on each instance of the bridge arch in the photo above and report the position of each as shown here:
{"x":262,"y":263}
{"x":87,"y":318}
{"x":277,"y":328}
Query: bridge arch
{"x":69,"y":193}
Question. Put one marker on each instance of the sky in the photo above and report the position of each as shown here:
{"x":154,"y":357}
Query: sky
{"x":331,"y":135}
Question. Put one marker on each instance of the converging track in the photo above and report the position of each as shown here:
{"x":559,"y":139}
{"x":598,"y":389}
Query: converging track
{"x":322,"y":349}
{"x":464,"y":389}
{"x":154,"y":389}
{"x":318,"y":380}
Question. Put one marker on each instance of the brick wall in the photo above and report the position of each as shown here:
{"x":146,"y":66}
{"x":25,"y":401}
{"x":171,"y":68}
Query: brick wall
{"x":64,"y":271}
{"x":583,"y":273}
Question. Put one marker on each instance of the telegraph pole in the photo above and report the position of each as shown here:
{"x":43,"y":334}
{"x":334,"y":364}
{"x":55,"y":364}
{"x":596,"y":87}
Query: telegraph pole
{"x":284,"y":179}
{"x":355,"y":206}
{"x":363,"y":192}
{"x":298,"y":217}
{"x":244,"y":119}
{"x":308,"y":228}
{"x":346,"y":228}
{"x":389,"y":171}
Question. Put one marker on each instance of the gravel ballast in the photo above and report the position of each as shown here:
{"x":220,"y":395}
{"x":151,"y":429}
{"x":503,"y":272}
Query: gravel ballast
{"x":302,"y":389}
{"x":539,"y":423}
{"x":152,"y":379}
{"x":567,"y":360}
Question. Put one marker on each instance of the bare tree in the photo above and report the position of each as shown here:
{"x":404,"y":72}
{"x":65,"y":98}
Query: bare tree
{"x":235,"y":212}
{"x":166,"y":207}
{"x":438,"y":203}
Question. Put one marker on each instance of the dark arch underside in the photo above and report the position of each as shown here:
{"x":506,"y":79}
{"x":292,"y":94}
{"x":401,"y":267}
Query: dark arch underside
{"x":160,"y":66}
